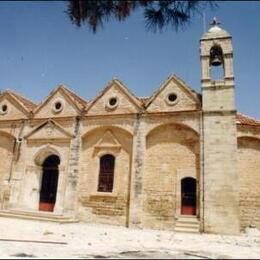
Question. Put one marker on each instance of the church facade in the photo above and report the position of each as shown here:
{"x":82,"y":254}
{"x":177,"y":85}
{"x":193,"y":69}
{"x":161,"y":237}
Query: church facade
{"x":177,"y":160}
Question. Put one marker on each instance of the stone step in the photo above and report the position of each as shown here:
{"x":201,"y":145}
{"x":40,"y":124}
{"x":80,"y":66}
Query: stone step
{"x":190,"y":225}
{"x":37,"y":216}
{"x":187,"y":224}
{"x":35,"y":213}
{"x":187,"y":220}
{"x":186,"y":230}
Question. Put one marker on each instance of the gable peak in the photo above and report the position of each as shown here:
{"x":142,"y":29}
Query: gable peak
{"x":77,"y":101}
{"x":27,"y":104}
{"x":118,"y":83}
{"x":179,"y":82}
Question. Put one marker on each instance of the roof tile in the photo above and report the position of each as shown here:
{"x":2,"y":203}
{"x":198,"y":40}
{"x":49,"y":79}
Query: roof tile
{"x":246,"y":120}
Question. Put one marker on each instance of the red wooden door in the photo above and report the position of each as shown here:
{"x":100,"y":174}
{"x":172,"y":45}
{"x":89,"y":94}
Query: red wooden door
{"x":46,"y":206}
{"x":188,"y":196}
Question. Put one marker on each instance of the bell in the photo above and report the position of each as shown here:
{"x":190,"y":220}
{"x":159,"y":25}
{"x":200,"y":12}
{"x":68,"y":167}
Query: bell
{"x":216,"y":61}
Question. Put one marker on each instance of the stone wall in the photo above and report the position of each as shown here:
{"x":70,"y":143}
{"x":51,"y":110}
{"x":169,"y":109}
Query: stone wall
{"x":6,"y":155}
{"x":172,"y":154}
{"x":37,"y":144}
{"x":221,"y":187}
{"x":105,"y":207}
{"x":27,"y":174}
{"x":249,"y":180}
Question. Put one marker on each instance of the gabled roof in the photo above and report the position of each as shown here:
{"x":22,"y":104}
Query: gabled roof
{"x":120,"y":84}
{"x":246,"y":120}
{"x":77,"y":98}
{"x":79,"y":102}
{"x":194,"y":95}
{"x":27,"y":104}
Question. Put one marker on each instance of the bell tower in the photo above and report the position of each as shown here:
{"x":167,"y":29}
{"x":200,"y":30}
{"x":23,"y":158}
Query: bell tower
{"x":220,"y":186}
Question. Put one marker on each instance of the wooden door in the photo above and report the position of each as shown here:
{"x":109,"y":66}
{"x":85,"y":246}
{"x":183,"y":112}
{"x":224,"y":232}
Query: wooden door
{"x":188,"y":196}
{"x":49,"y":184}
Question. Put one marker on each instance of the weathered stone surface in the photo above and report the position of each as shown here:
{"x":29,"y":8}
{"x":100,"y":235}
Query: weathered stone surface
{"x":172,"y":153}
{"x":249,"y":180}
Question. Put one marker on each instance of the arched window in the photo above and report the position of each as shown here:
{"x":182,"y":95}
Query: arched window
{"x":216,"y":63}
{"x":106,"y":173}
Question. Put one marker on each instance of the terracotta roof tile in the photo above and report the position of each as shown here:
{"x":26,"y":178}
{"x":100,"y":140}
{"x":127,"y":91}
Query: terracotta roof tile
{"x":246,"y":120}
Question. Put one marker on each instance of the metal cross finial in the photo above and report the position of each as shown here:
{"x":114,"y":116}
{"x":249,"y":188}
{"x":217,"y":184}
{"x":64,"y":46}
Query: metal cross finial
{"x":215,"y":22}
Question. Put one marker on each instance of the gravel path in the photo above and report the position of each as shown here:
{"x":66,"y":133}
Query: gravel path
{"x":81,"y":240}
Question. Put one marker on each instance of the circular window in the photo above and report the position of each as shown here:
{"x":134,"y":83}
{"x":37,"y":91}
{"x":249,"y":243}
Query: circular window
{"x":112,"y":102}
{"x":171,"y":98}
{"x":57,"y":106}
{"x":3,"y":109}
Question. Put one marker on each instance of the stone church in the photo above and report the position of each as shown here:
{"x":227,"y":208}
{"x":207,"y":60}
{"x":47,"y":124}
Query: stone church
{"x":177,"y":160}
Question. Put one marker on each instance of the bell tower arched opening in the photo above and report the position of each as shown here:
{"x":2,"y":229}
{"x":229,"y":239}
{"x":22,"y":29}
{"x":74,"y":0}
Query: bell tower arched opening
{"x":49,"y":183}
{"x":216,"y":63}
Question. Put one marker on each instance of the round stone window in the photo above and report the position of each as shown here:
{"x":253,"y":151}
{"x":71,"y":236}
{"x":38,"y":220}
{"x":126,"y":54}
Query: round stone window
{"x":58,"y":105}
{"x":172,"y":98}
{"x":112,"y":102}
{"x":3,"y":109}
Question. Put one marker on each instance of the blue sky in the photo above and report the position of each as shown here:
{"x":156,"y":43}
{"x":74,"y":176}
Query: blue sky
{"x":40,"y":49}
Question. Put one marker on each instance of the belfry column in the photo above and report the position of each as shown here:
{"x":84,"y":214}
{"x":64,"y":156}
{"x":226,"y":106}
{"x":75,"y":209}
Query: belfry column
{"x":220,"y":204}
{"x":70,"y":197}
{"x":136,"y":188}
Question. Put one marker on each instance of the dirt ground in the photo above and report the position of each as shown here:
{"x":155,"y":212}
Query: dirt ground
{"x":80,"y":240}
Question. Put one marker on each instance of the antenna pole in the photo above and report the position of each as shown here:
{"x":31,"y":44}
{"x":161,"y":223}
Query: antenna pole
{"x":204,"y":22}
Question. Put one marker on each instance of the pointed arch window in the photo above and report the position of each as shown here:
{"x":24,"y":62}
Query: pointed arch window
{"x":106,"y":173}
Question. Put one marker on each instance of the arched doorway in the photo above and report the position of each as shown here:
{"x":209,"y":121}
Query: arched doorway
{"x":188,"y":196}
{"x":50,"y":175}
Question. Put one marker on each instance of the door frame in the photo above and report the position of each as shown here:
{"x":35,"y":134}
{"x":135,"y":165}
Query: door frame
{"x":181,"y":174}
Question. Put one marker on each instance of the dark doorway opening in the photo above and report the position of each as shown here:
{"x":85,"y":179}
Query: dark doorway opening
{"x":188,"y":196}
{"x":50,"y":175}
